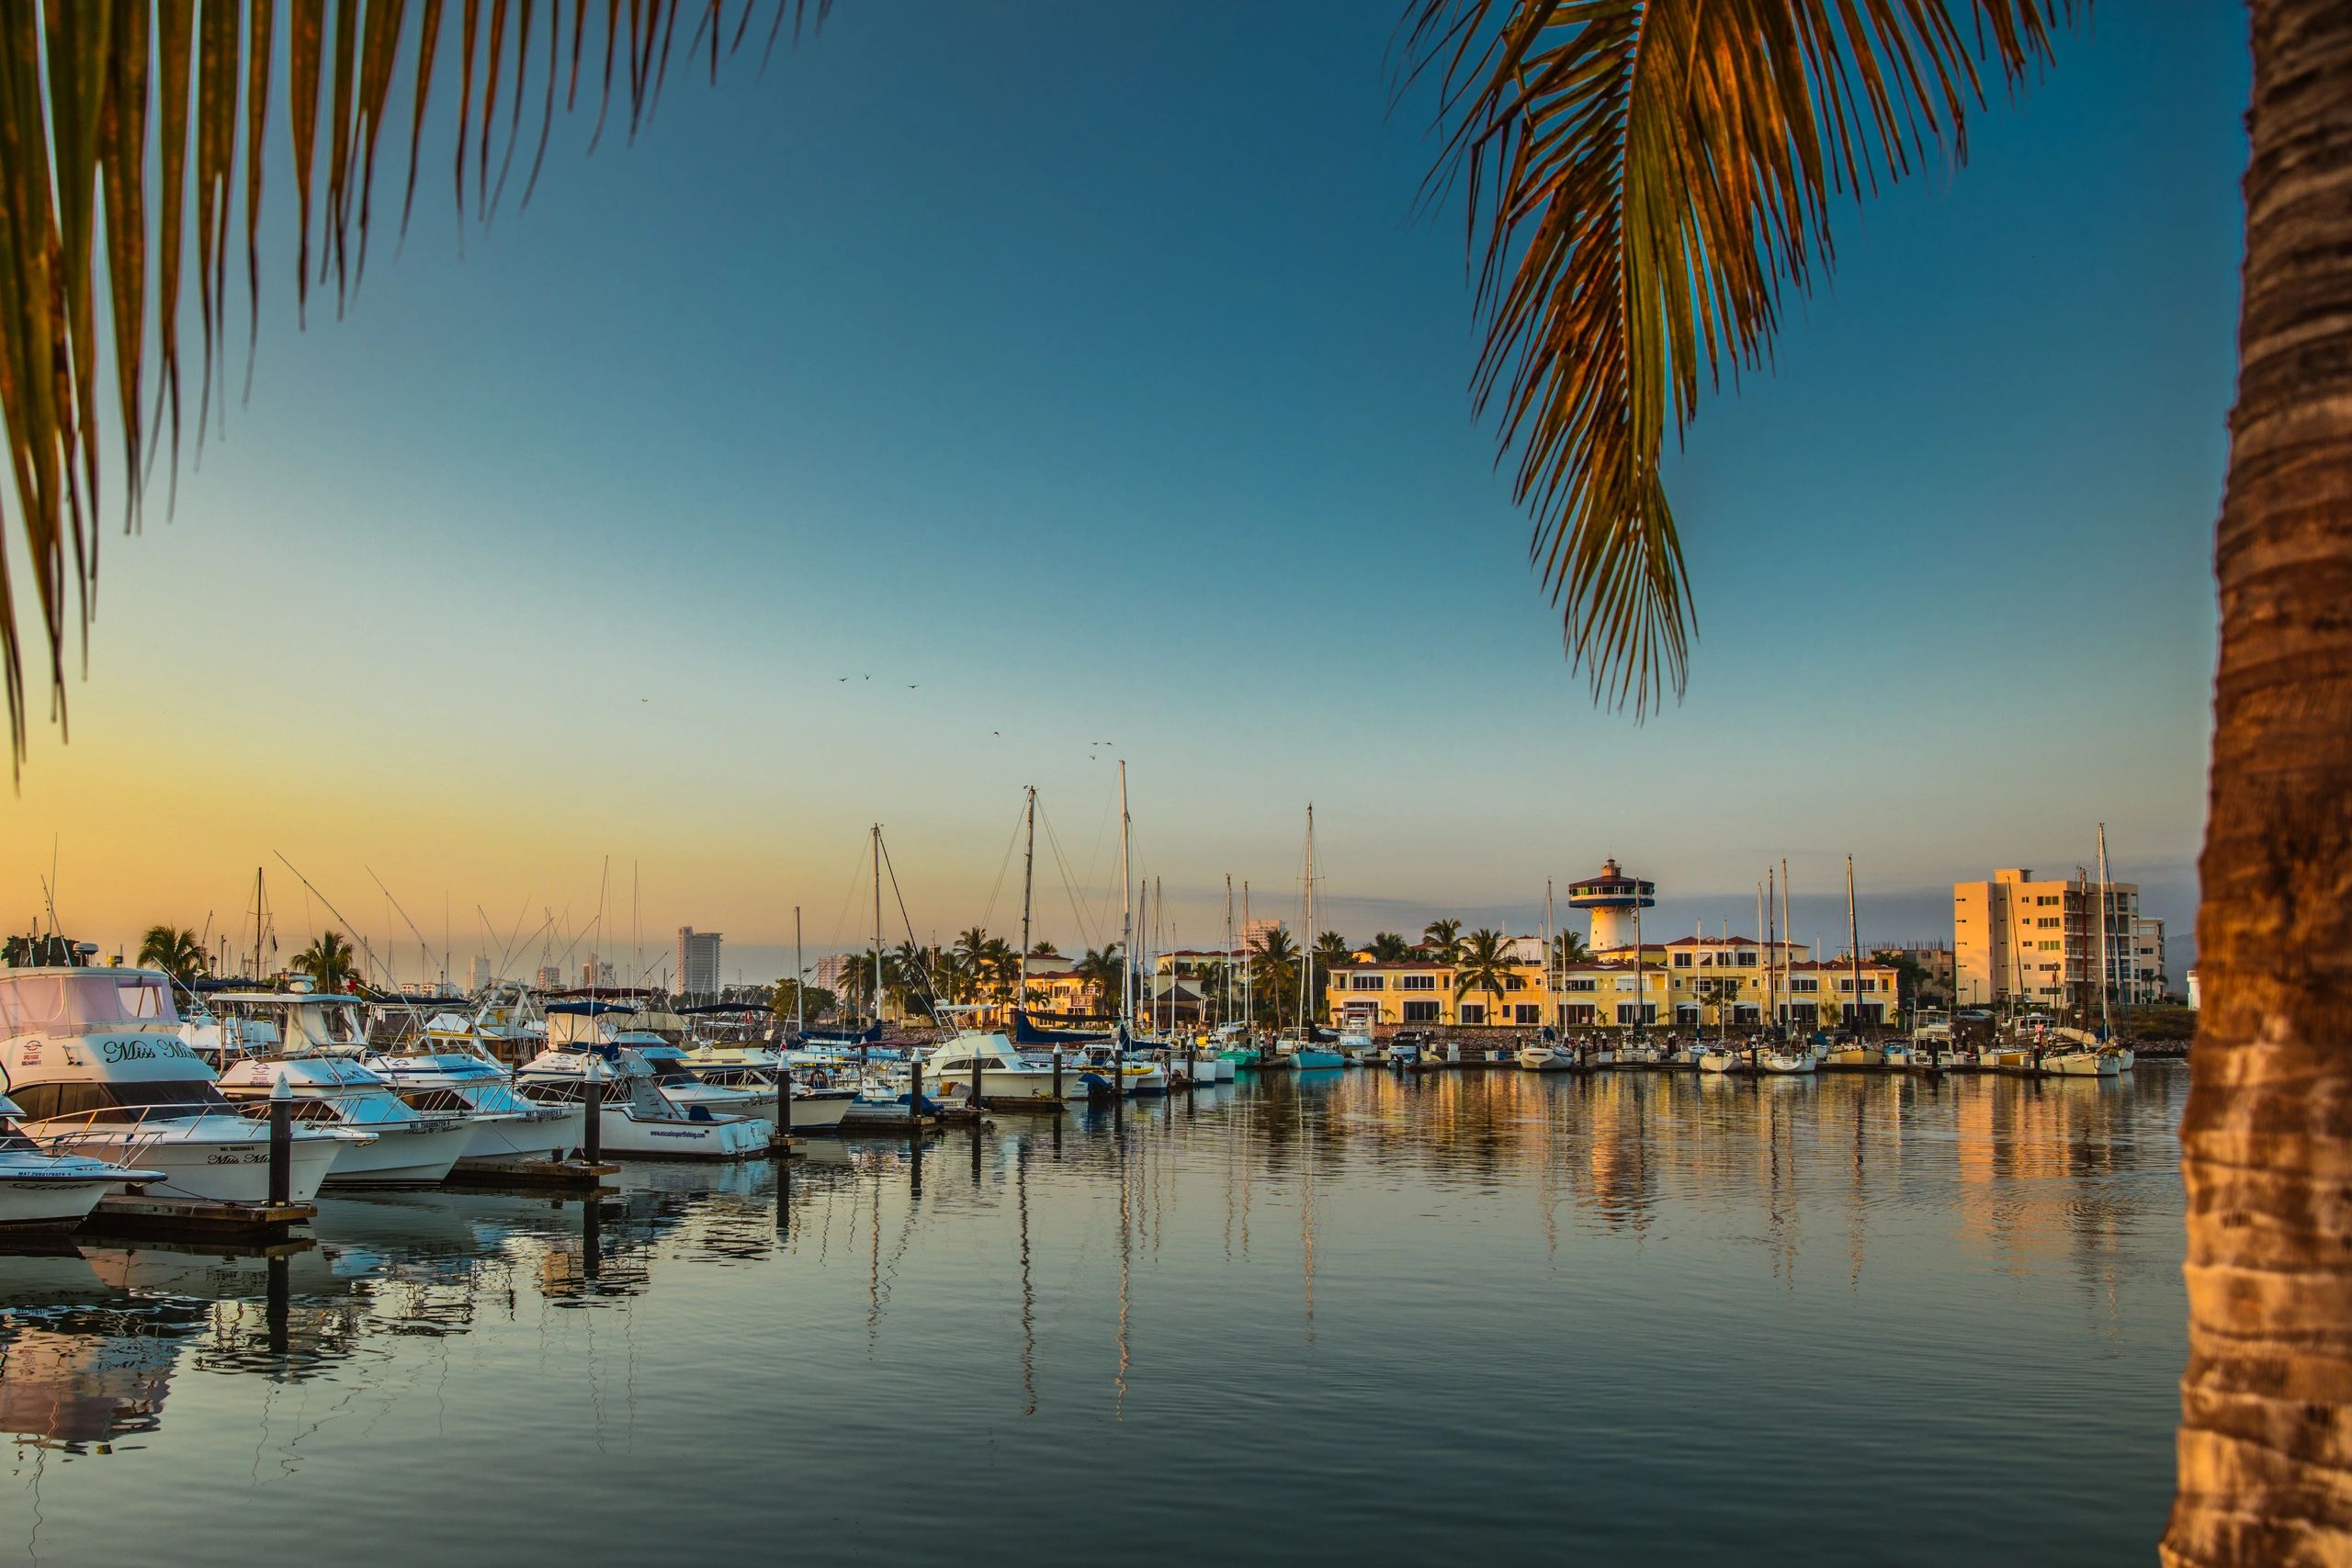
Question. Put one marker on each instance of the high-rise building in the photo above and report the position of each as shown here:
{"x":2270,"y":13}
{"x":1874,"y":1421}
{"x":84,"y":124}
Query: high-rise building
{"x":698,"y":963}
{"x":550,"y":978}
{"x":478,"y":975}
{"x":2148,"y":981}
{"x":2041,"y":941}
{"x":595,"y":973}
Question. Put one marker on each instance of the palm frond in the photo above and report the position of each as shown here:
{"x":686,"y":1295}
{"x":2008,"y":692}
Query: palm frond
{"x":120,"y":74}
{"x":1645,"y":179}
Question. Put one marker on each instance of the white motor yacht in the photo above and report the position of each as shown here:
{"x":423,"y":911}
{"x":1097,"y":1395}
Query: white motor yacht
{"x":450,"y":1070}
{"x":409,"y":1146}
{"x":1003,"y":1073}
{"x":42,"y":1191}
{"x":93,"y":1059}
{"x":638,"y":1117}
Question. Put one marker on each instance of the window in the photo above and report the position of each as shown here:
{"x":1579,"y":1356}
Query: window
{"x":1514,"y":982}
{"x":1527,"y":1013}
{"x":1747,"y":959}
{"x":1416,"y":982}
{"x":1804,"y":983}
{"x":1585,"y":983}
{"x":1573,"y":1013}
{"x":1682,"y":959}
{"x":1367,"y":982}
{"x":1624,"y":982}
{"x":1474,"y":1012}
{"x":1420,"y":1013}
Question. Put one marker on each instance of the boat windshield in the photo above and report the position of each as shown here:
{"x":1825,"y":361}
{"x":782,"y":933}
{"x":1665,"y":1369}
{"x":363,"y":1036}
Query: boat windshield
{"x":128,"y":1100}
{"x":73,"y":1004}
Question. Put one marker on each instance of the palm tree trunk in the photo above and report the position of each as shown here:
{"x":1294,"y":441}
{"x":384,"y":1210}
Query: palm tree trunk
{"x":2266,"y":1435}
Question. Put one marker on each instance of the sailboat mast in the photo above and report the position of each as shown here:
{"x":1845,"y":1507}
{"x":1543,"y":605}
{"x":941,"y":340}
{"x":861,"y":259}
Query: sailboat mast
{"x":1151,"y":975}
{"x":2106,"y":1020}
{"x":1126,"y":913}
{"x":799,"y":976}
{"x":1307,"y":937}
{"x":877,"y":922}
{"x":1771,"y":944}
{"x":1854,"y":943}
{"x":1788,"y":958}
{"x":1225,"y":990}
{"x":1028,"y":889}
{"x":1550,"y":956}
{"x":1248,"y":979}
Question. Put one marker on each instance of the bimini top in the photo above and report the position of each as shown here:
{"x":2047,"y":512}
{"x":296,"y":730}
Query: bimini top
{"x":1612,"y":889}
{"x":313,"y":1020}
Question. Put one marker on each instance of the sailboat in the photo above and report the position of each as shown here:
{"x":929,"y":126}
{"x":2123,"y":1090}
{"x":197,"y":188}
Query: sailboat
{"x":1308,"y":1050}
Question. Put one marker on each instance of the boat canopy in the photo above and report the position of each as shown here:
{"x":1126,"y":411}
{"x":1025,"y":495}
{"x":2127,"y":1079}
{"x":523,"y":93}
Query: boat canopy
{"x":74,"y":1002}
{"x":1027,"y":1034}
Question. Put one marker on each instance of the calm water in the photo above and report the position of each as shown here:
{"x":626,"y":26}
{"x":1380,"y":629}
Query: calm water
{"x":1640,"y":1317}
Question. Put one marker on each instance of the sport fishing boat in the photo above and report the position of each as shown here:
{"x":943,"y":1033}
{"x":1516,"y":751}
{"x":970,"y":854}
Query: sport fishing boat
{"x":1003,"y":1072}
{"x":409,"y":1147}
{"x":639,"y":1115}
{"x":682,"y":1083}
{"x":94,"y":1060}
{"x":450,"y":1070}
{"x":755,"y":1068}
{"x":41,"y":1191}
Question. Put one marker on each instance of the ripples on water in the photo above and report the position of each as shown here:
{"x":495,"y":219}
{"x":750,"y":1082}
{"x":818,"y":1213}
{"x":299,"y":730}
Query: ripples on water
{"x":1638,"y":1316}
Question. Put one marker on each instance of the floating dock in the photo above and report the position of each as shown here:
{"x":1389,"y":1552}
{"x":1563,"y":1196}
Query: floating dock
{"x":558,"y":1175}
{"x":194,"y":1219}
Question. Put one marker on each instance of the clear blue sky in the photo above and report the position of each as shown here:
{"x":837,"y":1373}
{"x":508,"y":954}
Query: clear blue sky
{"x":1083,"y":368}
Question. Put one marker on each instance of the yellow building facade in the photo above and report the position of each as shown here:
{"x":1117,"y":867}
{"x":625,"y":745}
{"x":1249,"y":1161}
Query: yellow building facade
{"x":1691,"y":982}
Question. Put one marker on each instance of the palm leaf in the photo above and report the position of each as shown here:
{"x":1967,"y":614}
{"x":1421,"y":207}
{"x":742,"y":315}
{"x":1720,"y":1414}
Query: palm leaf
{"x":200,"y":79}
{"x":1645,"y":179}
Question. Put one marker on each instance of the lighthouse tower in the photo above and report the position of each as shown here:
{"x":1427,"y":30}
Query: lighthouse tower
{"x":1612,"y":897}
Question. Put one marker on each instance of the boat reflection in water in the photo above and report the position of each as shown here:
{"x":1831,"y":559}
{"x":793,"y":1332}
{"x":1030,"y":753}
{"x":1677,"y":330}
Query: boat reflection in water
{"x":1325,"y":1267}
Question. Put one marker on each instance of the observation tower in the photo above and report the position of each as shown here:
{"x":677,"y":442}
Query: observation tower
{"x":1611,"y":899}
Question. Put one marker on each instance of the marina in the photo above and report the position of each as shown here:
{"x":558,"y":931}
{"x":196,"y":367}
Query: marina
{"x":1767,"y":1287}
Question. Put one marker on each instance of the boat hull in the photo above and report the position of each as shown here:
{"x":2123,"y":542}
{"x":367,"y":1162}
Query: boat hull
{"x":226,"y":1169}
{"x":533,"y":1137}
{"x":404,"y":1155}
{"x":31,"y":1201}
{"x":720,"y":1138}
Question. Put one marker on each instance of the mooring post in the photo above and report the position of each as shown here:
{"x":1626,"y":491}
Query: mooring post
{"x":979,"y":1084}
{"x":1058,"y":1075}
{"x":914,"y":1094}
{"x":592,"y":1135}
{"x":281,"y":1142}
{"x":784,"y":1097}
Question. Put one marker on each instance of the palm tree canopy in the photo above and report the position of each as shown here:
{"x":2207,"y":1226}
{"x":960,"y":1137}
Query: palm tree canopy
{"x":329,"y":961}
{"x":1390,"y":947}
{"x":1568,"y":948}
{"x":121,"y":103}
{"x":175,"y":950}
{"x":1484,"y":964}
{"x":1645,"y":179}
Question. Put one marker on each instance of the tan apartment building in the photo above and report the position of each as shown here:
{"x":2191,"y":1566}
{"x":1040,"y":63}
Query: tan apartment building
{"x":2040,"y":940}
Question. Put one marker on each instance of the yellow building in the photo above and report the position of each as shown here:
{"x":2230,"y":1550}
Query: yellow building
{"x":1691,"y":982}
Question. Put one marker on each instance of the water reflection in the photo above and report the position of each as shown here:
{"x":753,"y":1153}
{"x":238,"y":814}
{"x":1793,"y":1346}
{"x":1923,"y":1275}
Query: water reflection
{"x":1062,"y":1273}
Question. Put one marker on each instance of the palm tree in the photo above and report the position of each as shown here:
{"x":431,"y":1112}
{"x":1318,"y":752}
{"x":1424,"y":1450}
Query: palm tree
{"x":1485,"y":965}
{"x":1444,"y":940}
{"x":329,"y":962}
{"x":1099,"y":971}
{"x":1332,"y":952}
{"x":975,"y":955}
{"x":1389,"y":947}
{"x":1569,"y":950}
{"x":1273,"y":971}
{"x":175,"y":951}
{"x":1635,"y":237}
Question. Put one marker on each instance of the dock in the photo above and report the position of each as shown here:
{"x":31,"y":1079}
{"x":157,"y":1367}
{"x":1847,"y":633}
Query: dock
{"x":194,"y":1219}
{"x":538,"y":1175}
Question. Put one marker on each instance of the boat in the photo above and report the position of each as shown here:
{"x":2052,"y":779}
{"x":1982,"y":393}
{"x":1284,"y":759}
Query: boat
{"x":408,"y":1146}
{"x":1717,"y":1058}
{"x":1785,"y":1059}
{"x":1002,"y":1072}
{"x":636,"y":1118}
{"x":450,"y":1069}
{"x":42,"y":1191}
{"x":2080,"y":1062}
{"x":1307,"y":1054}
{"x":318,"y":1063}
{"x":1547,"y":1058}
{"x":92,"y":1058}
